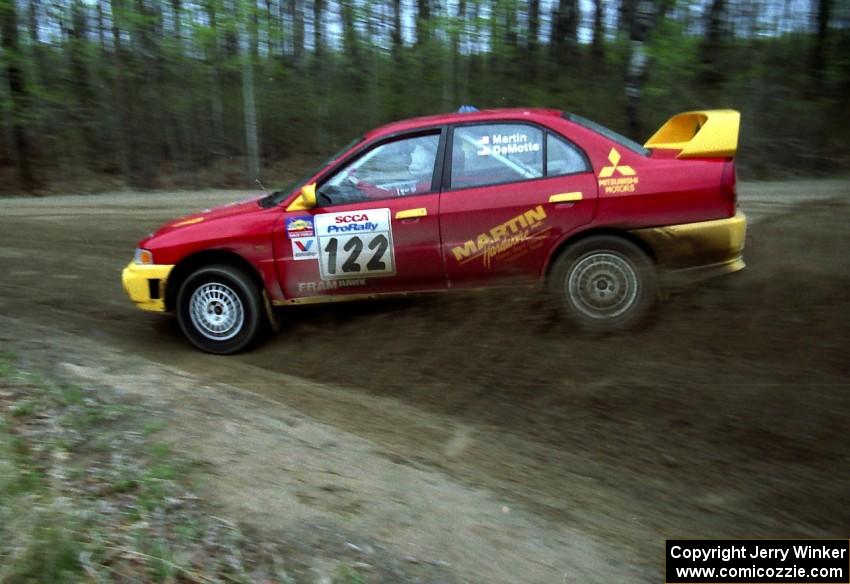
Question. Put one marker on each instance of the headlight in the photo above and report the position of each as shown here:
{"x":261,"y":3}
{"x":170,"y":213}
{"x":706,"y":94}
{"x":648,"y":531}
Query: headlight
{"x":143,"y":256}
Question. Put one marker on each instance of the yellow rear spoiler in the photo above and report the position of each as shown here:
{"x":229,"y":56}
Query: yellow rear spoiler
{"x":709,"y":133}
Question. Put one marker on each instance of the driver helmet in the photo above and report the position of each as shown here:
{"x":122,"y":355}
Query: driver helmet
{"x":421,"y":160}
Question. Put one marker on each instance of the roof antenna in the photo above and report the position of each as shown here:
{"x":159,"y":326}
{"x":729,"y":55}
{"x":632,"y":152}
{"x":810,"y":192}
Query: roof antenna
{"x":257,"y":180}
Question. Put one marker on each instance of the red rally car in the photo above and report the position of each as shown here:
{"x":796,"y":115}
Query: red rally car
{"x":462,"y":200}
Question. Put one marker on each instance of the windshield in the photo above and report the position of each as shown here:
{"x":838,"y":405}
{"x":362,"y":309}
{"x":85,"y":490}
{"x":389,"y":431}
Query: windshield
{"x":276,"y":197}
{"x":607,"y":132}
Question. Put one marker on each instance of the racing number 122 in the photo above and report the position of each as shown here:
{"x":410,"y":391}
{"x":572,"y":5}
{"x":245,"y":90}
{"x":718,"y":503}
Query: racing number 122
{"x":378,"y":244}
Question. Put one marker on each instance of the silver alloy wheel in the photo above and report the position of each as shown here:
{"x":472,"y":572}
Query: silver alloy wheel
{"x":216,"y":311}
{"x":603,"y":285}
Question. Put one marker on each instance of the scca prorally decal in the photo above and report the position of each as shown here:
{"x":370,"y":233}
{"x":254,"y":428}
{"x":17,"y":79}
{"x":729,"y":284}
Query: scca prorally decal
{"x":501,"y":238}
{"x":348,"y":222}
{"x":355,"y":244}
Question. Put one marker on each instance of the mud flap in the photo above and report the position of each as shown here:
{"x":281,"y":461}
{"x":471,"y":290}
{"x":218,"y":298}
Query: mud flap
{"x":273,"y":320}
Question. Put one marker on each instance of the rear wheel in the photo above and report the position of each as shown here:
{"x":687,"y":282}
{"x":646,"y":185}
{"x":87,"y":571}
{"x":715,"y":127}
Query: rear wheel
{"x":220,"y":309}
{"x":603,"y":283}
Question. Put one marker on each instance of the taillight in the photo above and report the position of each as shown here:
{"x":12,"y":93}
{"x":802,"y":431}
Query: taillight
{"x":729,"y":185}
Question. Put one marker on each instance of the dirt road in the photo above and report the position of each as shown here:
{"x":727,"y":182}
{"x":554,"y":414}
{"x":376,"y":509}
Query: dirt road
{"x":480,"y":440}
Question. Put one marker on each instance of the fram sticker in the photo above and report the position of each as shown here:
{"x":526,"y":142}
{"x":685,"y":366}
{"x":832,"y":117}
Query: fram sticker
{"x":300,"y":226}
{"x":304,"y":248}
{"x":329,"y":285}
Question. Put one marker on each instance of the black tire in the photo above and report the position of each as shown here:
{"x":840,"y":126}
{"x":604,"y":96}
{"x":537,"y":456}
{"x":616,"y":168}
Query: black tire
{"x":227,"y":315}
{"x":603,"y":283}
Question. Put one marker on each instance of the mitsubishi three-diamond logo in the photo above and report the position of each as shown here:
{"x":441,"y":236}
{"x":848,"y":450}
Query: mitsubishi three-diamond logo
{"x":614,"y":159}
{"x":617,"y":178}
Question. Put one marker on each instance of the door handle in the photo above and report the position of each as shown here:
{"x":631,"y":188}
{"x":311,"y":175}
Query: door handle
{"x":566,"y":197}
{"x":412,"y":213}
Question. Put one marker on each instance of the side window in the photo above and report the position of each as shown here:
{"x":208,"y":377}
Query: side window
{"x":495,"y":153}
{"x":394,"y":169}
{"x":562,"y":157}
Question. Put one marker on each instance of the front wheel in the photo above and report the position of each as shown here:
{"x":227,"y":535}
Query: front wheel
{"x":219,"y":309}
{"x":603,"y":283}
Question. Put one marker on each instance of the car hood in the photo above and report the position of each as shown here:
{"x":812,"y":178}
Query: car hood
{"x":228,"y":210}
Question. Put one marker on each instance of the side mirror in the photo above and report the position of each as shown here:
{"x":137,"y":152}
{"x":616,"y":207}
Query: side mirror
{"x":305,"y":200}
{"x":308,"y":195}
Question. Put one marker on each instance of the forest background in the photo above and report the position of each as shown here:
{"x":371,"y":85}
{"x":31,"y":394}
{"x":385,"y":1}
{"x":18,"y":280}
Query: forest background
{"x":143,"y":94}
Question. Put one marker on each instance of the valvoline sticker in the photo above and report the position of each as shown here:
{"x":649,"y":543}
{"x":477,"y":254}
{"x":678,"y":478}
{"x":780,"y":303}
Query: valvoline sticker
{"x":300,"y":226}
{"x":304,"y":248}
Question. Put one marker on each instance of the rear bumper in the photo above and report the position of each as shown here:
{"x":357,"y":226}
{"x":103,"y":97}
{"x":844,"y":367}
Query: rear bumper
{"x":145,"y":285}
{"x":695,"y":251}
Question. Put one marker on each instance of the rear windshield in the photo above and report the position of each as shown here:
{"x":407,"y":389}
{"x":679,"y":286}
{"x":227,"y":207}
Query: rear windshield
{"x":607,"y":132}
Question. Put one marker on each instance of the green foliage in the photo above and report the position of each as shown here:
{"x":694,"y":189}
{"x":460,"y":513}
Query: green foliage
{"x":118,"y":512}
{"x":150,"y":108}
{"x":6,"y":370}
{"x":50,"y":551}
{"x":347,"y":575}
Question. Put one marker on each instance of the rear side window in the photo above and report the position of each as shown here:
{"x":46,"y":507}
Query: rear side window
{"x":562,"y":157}
{"x":607,"y":132}
{"x":496,"y":153}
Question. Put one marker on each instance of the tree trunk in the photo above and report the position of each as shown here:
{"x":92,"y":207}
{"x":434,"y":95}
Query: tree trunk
{"x":626,"y":17}
{"x":253,"y":25}
{"x":713,"y":43}
{"x":212,"y":58}
{"x":597,"y":48}
{"x":395,"y":32}
{"x":143,"y":89}
{"x":270,"y":28}
{"x":250,"y":111}
{"x":35,"y":44}
{"x":298,"y":30}
{"x":462,"y":62}
{"x":80,"y":81}
{"x":19,"y":95}
{"x":121,"y":107}
{"x":231,"y":34}
{"x":423,"y":24}
{"x":371,"y":53}
{"x":448,"y":65}
{"x":646,"y":15}
{"x":33,"y":21}
{"x":101,"y":27}
{"x":822,"y":15}
{"x":350,"y":44}
{"x":458,"y":30}
{"x":176,"y":8}
{"x":533,"y":25}
{"x":511,"y":36}
{"x":318,"y":40}
{"x":296,"y":14}
{"x":565,"y":31}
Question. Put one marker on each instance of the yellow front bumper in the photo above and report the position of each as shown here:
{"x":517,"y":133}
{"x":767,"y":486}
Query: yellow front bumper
{"x":145,"y":285}
{"x":704,"y":249}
